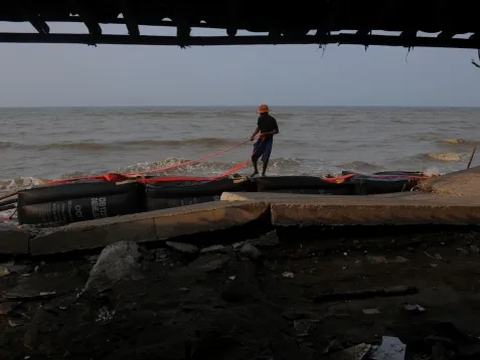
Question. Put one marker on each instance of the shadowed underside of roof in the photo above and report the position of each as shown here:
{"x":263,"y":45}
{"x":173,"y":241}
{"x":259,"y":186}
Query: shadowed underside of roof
{"x":267,"y":22}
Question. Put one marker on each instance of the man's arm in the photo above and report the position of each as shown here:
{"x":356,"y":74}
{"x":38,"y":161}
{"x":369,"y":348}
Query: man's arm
{"x":257,"y":130}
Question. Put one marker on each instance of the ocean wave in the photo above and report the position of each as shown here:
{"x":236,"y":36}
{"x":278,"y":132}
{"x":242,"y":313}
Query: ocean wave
{"x":148,"y":143}
{"x":444,"y":156}
{"x":456,"y":141}
{"x":278,"y":166}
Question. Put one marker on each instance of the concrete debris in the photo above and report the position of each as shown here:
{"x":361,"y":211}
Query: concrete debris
{"x":161,"y":255}
{"x":414,"y":308}
{"x":302,"y":326}
{"x":214,"y":249}
{"x":20,"y":293}
{"x":268,"y":240}
{"x":188,"y":249}
{"x":376,"y":259}
{"x":463,"y":251}
{"x":16,"y":322}
{"x":391,"y":348}
{"x":474,"y":249}
{"x":4,"y":271}
{"x":118,"y":261}
{"x":250,"y":251}
{"x":105,"y":315}
{"x":371,"y":311}
{"x":210,"y":262}
{"x":357,"y":352}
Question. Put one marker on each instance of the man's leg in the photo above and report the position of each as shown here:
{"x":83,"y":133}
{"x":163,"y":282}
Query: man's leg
{"x":255,"y":166}
{"x":266,"y":156}
{"x":257,"y":152}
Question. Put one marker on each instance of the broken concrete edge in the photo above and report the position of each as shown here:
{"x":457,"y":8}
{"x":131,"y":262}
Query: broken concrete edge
{"x":147,"y":227}
{"x":14,"y":241}
{"x":307,"y":211}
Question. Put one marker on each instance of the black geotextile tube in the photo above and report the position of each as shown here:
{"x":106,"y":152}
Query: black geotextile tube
{"x":67,"y":203}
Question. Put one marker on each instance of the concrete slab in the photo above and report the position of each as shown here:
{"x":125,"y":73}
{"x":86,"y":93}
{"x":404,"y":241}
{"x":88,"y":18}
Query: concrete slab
{"x":409,"y":208}
{"x":199,"y":218}
{"x":13,"y":241}
{"x":459,"y":183}
{"x":147,"y":226}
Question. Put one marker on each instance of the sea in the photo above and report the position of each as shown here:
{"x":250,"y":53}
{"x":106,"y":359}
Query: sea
{"x":41,"y":144}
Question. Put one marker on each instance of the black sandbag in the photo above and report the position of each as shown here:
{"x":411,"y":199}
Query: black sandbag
{"x":376,"y":185}
{"x":166,"y":203}
{"x":83,"y":189}
{"x":80,"y":209}
{"x":182,"y":189}
{"x":271,"y":183}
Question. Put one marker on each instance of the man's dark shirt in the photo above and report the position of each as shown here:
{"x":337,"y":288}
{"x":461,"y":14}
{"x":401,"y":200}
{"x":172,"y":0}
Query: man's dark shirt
{"x":267,"y":123}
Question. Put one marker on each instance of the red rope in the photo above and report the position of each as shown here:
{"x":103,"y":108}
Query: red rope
{"x":124,"y":176}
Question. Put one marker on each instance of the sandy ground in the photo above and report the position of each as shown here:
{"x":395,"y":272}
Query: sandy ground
{"x":268,"y":301}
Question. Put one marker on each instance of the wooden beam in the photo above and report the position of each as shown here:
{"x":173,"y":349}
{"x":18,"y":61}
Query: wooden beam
{"x":39,"y":24}
{"x":446,"y":34}
{"x":341,"y":39}
{"x":92,"y":25}
{"x":130,"y":20}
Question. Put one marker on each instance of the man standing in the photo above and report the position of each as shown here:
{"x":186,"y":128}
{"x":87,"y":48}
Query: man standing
{"x":267,"y":127}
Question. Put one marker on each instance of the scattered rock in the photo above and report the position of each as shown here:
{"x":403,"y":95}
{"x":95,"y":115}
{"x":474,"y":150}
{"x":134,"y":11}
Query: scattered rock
{"x":438,"y":257}
{"x":302,"y":326}
{"x":371,"y":311}
{"x":251,"y":251}
{"x":214,"y":249}
{"x":288,"y":275}
{"x":439,"y":352}
{"x":238,"y":245}
{"x":93,"y":258}
{"x":376,"y":259}
{"x":4,"y":271}
{"x":462,"y":251}
{"x":7,"y":308}
{"x":413,"y":309}
{"x":16,"y":322}
{"x":105,"y":315}
{"x":399,"y":260}
{"x":184,"y":289}
{"x":357,"y":352}
{"x":210,"y":262}
{"x":433,"y":265}
{"x":268,"y":240}
{"x":161,"y":255}
{"x":118,"y":261}
{"x":188,"y":249}
{"x":21,"y":293}
{"x":334,"y":346}
{"x":474,"y":249}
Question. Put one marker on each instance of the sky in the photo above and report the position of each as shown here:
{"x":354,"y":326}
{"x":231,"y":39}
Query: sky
{"x":298,"y":75}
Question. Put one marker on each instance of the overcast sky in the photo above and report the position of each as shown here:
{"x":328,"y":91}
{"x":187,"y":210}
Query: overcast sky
{"x":79,"y":75}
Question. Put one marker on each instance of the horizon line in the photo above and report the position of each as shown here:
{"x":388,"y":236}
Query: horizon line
{"x":238,"y":106}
